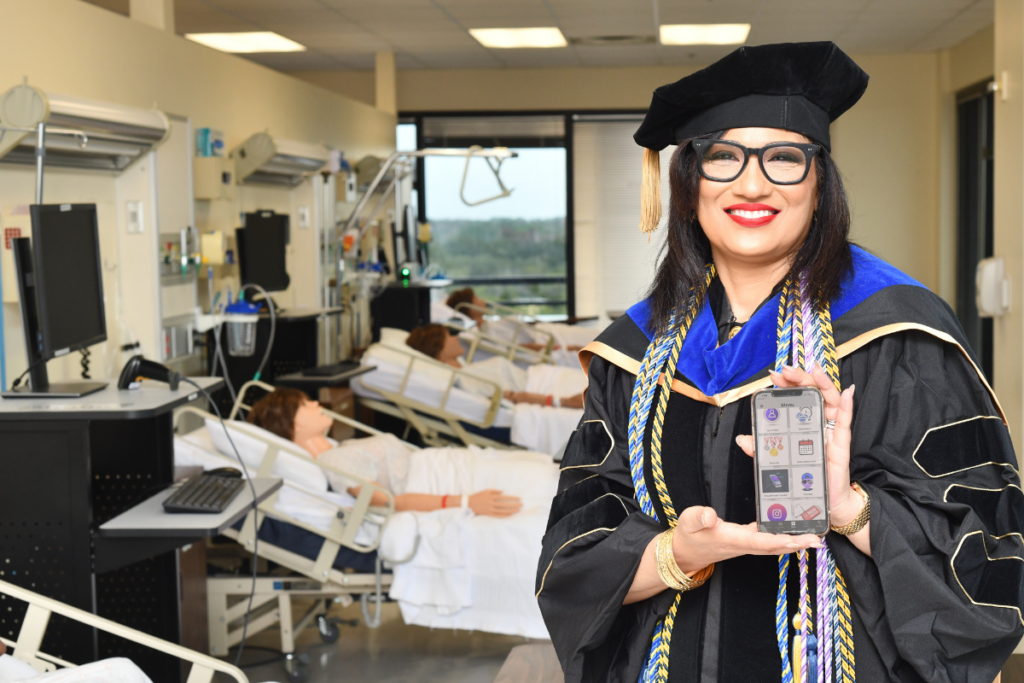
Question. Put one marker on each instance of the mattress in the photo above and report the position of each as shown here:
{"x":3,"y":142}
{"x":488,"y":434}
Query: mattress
{"x":426,"y":386}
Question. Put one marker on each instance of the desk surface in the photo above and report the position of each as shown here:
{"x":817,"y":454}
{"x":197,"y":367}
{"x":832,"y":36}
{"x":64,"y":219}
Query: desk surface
{"x":302,"y":313}
{"x":151,"y":399}
{"x":148,"y":519}
{"x":298,"y":379}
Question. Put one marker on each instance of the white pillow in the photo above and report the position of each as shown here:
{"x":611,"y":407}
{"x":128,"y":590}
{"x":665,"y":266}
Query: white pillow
{"x":389,"y":336}
{"x":288,"y":466}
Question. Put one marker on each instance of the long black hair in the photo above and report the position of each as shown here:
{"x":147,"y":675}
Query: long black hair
{"x":824,"y":255}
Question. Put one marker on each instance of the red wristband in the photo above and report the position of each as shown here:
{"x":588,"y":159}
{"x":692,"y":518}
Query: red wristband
{"x":444,"y":501}
{"x":548,"y":400}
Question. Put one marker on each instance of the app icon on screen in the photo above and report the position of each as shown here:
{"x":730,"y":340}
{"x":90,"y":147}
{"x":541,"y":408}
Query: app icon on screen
{"x":775,"y":481}
{"x":773,"y":445}
{"x":772,"y":414}
{"x":808,"y":481}
{"x":776,"y":513}
{"x":810,"y":513}
{"x":803,"y":416}
{"x":805,"y":447}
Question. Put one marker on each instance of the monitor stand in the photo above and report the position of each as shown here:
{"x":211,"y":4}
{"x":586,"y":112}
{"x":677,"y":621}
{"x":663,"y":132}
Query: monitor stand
{"x":57,"y":390}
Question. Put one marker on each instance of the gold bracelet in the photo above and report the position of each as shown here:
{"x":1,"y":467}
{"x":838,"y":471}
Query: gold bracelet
{"x":669,"y":571}
{"x":862,"y":518}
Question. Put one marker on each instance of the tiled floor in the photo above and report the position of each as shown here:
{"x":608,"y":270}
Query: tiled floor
{"x":393,"y":653}
{"x":396,"y":653}
{"x":1013,"y":672}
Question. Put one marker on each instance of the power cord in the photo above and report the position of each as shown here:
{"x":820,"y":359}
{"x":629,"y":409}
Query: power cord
{"x":273,"y":327}
{"x":15,"y":383}
{"x":255,"y":505}
{"x":85,"y":363}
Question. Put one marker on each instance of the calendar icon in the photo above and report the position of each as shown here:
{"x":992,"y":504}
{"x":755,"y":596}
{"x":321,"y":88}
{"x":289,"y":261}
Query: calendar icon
{"x":805,"y":447}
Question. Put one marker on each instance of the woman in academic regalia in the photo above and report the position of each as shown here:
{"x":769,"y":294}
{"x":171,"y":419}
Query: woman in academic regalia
{"x":653,"y":567}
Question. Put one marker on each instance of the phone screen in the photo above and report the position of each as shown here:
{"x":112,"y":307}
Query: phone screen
{"x":789,"y":461}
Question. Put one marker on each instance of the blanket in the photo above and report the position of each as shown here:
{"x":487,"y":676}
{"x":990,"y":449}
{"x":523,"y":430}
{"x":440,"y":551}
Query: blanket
{"x":473,"y":572}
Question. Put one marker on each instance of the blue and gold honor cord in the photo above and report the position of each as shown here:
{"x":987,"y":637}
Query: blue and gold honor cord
{"x":804,"y":334}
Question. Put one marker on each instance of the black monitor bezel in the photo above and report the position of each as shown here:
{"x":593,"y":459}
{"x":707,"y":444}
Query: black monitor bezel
{"x":37,"y":212}
{"x":284,"y":224}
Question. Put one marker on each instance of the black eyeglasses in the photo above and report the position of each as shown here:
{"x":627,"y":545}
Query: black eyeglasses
{"x":783,"y":163}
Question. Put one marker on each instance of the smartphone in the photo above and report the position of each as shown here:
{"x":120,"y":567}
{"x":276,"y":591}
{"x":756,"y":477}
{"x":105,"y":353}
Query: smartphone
{"x":789,"y":461}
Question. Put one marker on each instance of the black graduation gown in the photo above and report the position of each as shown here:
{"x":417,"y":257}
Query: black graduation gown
{"x":934,"y":603}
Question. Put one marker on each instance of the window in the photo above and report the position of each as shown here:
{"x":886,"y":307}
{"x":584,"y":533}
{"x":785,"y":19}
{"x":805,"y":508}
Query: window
{"x":513,"y":249}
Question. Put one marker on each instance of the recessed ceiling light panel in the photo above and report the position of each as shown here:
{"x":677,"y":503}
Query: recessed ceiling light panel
{"x":704,"y":34}
{"x":255,"y":41}
{"x":505,"y":38}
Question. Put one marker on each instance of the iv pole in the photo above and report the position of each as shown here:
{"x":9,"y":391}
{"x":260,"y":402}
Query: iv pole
{"x":402,"y":162}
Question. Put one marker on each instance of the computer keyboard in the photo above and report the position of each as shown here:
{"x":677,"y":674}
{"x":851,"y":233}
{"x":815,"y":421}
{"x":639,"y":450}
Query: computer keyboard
{"x":205,"y":493}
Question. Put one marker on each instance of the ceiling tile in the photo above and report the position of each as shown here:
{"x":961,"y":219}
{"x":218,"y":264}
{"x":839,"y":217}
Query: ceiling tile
{"x":344,"y":34}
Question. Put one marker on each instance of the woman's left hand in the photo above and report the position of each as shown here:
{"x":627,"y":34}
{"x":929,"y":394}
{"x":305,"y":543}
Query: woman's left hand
{"x":844,"y":502}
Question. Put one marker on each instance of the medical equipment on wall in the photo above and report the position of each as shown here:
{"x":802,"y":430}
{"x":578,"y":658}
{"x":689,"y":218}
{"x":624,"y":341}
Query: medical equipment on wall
{"x":992,"y":287}
{"x":81,"y":133}
{"x":383,"y":215}
{"x":262,"y":245}
{"x":241,"y":318}
{"x":266,"y":159}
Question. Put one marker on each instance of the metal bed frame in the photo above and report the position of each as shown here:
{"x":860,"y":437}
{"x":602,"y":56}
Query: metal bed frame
{"x":510,"y":349}
{"x":431,"y":421}
{"x":227,"y":596}
{"x":37,"y":618}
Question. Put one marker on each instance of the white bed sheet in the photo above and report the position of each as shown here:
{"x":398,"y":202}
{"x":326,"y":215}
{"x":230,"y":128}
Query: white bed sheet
{"x":426,"y":386}
{"x":113,"y":670}
{"x":473,"y":572}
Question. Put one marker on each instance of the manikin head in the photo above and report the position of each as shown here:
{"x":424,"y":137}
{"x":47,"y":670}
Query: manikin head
{"x":435,"y":341}
{"x":290,"y":414}
{"x":468,"y":296}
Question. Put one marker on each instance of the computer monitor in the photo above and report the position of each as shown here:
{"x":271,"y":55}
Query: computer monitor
{"x":60,"y":282}
{"x":262,"y":244}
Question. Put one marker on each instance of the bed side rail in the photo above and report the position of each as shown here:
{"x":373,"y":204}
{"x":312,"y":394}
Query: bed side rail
{"x":503,"y":347}
{"x":400,"y":398}
{"x":37,"y":617}
{"x":347,"y":522}
{"x":512,"y":350}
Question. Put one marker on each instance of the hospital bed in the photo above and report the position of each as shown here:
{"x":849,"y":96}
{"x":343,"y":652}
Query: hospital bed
{"x":428,"y":396}
{"x":484,"y":583}
{"x":431,"y":397}
{"x":303,"y":508}
{"x":506,"y":335}
{"x":506,"y":332}
{"x":25,"y":648}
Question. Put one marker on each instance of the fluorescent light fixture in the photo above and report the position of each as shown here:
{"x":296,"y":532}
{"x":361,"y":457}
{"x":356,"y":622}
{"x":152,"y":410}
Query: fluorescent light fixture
{"x":255,"y":41}
{"x":704,"y":34}
{"x":519,"y":37}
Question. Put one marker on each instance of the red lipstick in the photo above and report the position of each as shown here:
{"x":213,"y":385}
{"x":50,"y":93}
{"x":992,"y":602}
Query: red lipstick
{"x":752,"y":215}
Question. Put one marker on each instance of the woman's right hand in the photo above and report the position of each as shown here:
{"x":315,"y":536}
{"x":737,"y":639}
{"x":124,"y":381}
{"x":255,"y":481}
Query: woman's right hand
{"x":493,"y":504}
{"x":702,"y":538}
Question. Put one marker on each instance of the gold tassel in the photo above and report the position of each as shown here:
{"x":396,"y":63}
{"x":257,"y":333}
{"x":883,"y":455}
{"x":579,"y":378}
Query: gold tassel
{"x":650,"y":192}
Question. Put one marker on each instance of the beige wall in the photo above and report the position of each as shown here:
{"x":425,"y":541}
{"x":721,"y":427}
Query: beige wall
{"x":1008,"y":370}
{"x":886,"y":149}
{"x":72,"y":47}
